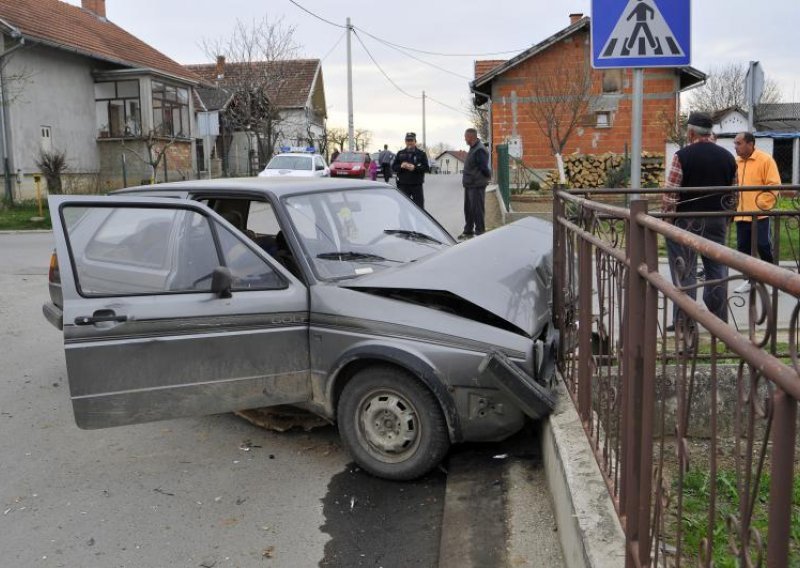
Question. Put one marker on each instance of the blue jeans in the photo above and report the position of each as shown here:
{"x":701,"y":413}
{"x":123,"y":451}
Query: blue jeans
{"x":763,"y":238}
{"x":683,"y":265}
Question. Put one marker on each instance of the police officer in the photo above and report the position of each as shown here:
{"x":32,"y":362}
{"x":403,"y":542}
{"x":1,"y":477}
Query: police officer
{"x":411,"y":164}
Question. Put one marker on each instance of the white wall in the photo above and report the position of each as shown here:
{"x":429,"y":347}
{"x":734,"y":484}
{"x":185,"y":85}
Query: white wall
{"x":59,"y":93}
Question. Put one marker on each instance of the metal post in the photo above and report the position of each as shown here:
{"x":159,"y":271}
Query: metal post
{"x":633,"y":391}
{"x":636,"y":130}
{"x":584,"y":330}
{"x":124,"y":170}
{"x":784,"y":433}
{"x":424,"y":145}
{"x":350,"y":139}
{"x":796,"y":161}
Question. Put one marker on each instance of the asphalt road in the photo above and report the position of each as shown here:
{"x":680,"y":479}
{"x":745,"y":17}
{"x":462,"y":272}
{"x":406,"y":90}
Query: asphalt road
{"x":213,"y":491}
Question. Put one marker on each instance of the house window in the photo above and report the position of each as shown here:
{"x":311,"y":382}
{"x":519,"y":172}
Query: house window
{"x":170,"y":110}
{"x":603,"y":120}
{"x":612,"y":81}
{"x":46,"y":140}
{"x":117,"y":109}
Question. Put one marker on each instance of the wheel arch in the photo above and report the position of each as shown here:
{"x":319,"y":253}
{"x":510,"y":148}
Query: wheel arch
{"x":362,"y":357}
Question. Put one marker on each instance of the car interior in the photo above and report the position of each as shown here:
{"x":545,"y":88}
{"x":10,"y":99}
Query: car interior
{"x":257,"y":220}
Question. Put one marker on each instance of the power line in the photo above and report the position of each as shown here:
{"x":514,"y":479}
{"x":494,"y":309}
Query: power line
{"x":396,"y":45}
{"x":440,"y":54}
{"x":317,"y":16}
{"x":335,"y":45}
{"x":461,"y":111}
{"x":392,"y":46}
{"x":395,"y":85}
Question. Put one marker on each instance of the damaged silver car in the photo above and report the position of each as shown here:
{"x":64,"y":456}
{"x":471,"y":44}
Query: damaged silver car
{"x":340,"y":297}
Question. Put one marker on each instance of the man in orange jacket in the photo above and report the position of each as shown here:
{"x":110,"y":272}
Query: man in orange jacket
{"x":754,"y":168}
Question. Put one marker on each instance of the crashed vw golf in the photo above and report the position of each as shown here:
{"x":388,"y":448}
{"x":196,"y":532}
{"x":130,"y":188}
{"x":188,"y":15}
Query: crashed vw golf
{"x":339,"y":297}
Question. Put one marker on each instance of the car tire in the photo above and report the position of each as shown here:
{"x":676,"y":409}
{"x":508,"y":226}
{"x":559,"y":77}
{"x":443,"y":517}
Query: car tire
{"x":392,"y":424}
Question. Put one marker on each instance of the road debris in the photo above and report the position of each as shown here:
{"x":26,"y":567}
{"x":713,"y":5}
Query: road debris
{"x":159,"y":490}
{"x":268,"y":552}
{"x":208,"y":564}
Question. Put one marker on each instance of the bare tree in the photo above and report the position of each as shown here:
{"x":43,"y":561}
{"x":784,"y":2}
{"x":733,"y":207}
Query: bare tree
{"x":257,"y":72}
{"x":480,"y":119}
{"x":674,"y":127}
{"x":725,"y":88}
{"x":560,"y":98}
{"x":363,"y":138}
{"x":336,"y":138}
{"x":155,"y":148}
{"x":438,"y":148}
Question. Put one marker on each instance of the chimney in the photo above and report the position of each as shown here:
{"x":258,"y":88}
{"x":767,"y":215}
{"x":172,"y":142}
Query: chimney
{"x":220,"y":67}
{"x":96,"y":7}
{"x":575,"y":18}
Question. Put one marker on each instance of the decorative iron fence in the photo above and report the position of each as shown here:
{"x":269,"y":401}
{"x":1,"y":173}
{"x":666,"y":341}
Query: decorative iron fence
{"x":693,"y":419}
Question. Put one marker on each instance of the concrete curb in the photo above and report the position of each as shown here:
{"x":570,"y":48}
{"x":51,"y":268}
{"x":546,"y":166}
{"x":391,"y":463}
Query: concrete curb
{"x":588,"y":526}
{"x":25,"y":231}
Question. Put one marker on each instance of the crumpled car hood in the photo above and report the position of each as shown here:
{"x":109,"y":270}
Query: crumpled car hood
{"x":507,"y":272}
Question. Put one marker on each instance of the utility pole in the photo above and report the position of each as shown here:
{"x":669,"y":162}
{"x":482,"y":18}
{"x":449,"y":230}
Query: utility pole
{"x":424,"y":145}
{"x":350,"y":138}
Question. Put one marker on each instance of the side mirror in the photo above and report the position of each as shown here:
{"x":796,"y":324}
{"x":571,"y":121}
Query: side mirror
{"x":222,"y":282}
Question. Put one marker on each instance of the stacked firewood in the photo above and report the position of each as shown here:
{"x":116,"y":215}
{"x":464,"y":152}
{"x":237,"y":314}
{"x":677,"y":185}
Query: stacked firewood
{"x":607,"y":170}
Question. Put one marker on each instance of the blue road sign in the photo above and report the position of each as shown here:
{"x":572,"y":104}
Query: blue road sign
{"x":641,"y":33}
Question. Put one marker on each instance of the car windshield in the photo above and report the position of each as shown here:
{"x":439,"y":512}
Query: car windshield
{"x":290,"y":163}
{"x":355,"y":232}
{"x":350,"y":157}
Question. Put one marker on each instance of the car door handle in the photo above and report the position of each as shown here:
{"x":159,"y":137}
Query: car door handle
{"x":100,"y":316}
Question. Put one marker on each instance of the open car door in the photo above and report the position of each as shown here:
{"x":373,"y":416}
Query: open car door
{"x":170,"y":311}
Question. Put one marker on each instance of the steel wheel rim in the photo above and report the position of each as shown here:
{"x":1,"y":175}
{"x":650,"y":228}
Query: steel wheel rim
{"x":388,"y":425}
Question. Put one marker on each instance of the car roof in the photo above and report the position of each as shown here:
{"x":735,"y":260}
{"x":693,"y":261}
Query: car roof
{"x":304,"y":154}
{"x":277,"y":186}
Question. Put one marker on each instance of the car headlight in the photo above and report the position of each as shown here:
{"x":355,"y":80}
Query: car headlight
{"x":356,"y":168}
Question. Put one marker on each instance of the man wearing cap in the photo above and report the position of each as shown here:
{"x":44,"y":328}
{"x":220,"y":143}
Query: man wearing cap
{"x":700,"y":164}
{"x":411,"y":164}
{"x":755,"y":168}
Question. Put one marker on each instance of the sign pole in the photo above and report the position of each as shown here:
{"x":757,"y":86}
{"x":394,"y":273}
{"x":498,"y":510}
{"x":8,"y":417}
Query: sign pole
{"x":636,"y":134}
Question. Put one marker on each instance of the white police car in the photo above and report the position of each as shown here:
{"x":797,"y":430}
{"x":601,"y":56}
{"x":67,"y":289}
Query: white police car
{"x":296,"y":164}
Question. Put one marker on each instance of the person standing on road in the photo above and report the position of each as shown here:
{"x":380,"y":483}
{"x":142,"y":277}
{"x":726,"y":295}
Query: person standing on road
{"x":385,"y":159}
{"x":334,"y":155}
{"x":475,"y":178}
{"x":754,"y":168}
{"x":411,"y":164}
{"x":700,"y":164}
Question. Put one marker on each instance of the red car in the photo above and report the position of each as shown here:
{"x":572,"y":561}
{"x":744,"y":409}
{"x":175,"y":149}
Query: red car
{"x":351,"y":164}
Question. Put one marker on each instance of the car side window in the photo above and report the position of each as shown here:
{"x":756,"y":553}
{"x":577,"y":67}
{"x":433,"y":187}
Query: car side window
{"x":122,"y":251}
{"x":249,"y":271}
{"x":319,"y":164}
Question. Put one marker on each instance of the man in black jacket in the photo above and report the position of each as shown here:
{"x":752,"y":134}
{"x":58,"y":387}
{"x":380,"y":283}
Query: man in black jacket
{"x":701,"y":164}
{"x":475,"y":178}
{"x":411,"y":164}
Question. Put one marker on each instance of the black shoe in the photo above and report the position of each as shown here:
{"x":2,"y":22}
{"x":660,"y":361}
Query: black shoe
{"x":670,"y":327}
{"x":465,"y":236}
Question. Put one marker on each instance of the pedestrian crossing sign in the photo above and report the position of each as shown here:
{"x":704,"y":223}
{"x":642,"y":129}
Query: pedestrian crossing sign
{"x":640,"y":33}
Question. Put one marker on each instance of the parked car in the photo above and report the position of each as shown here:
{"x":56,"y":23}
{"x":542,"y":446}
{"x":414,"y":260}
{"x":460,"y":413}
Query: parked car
{"x":296,"y":164}
{"x":337,"y":296}
{"x":350,"y":164}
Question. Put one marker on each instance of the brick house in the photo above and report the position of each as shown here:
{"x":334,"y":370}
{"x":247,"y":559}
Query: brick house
{"x":75,"y":82}
{"x":294,"y":88}
{"x":509,"y":88}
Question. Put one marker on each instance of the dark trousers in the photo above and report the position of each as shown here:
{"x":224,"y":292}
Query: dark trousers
{"x":414,"y":193}
{"x":387,"y":172}
{"x":763,"y":238}
{"x":683,"y":265}
{"x":474,"y":210}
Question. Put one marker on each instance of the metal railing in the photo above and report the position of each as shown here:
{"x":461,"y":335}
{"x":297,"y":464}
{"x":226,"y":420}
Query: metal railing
{"x":694,"y":430}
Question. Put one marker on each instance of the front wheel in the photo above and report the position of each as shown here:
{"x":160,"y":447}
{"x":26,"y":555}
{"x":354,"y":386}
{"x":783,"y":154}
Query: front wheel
{"x":391,"y":424}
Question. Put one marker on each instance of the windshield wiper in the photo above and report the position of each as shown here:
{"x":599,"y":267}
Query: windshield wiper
{"x":352,"y":256}
{"x":414,"y":235}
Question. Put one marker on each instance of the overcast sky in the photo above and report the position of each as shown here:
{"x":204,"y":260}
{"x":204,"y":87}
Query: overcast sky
{"x":723,"y":31}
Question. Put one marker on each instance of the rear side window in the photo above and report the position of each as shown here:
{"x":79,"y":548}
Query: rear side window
{"x":125,"y":251}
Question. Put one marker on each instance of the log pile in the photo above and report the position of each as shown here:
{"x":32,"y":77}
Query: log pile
{"x":592,"y":170}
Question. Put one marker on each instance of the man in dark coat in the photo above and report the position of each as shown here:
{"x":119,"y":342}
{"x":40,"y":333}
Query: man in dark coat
{"x":701,"y":164}
{"x":475,"y":178}
{"x":411,"y":164}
